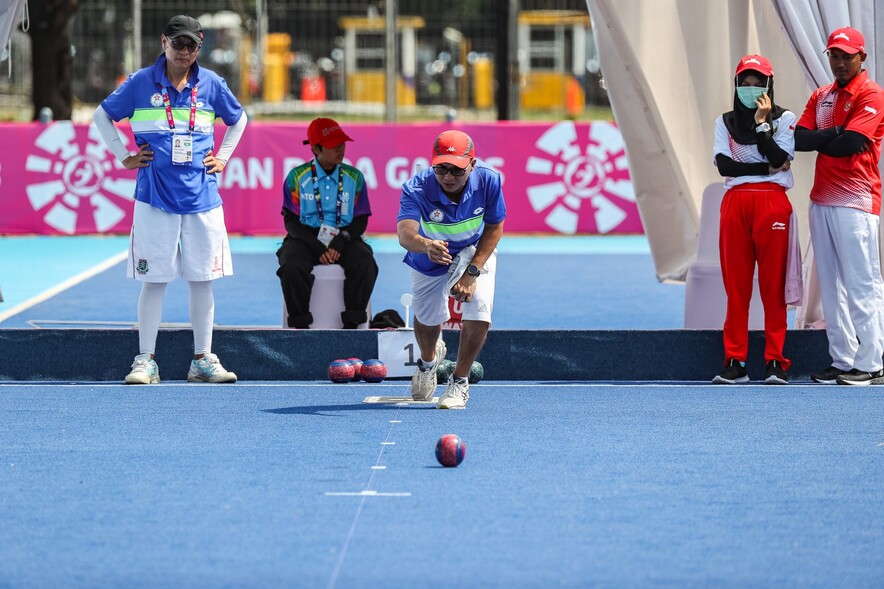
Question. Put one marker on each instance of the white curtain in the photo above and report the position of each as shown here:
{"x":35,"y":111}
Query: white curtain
{"x":669,"y":68}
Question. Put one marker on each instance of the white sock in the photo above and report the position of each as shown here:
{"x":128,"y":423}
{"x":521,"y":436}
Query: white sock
{"x":202,"y":315}
{"x":150,"y":313}
{"x":424,"y":365}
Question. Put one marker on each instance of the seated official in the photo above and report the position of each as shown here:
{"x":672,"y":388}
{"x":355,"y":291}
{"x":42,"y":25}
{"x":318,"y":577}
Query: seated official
{"x":326,"y":210}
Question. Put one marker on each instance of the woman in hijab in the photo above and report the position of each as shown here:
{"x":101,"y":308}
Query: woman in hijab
{"x":754,"y":144}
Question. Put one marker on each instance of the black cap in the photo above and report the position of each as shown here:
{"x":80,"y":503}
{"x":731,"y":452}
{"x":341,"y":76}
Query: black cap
{"x":184,"y":25}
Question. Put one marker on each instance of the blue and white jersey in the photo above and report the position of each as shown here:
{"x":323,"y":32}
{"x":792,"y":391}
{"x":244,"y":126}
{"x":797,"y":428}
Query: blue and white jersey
{"x":460,"y":224}
{"x":174,"y":188}
{"x":298,"y":194}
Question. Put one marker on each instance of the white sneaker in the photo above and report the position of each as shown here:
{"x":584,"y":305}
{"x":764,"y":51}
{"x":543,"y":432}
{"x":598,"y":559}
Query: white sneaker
{"x":456,"y":395}
{"x":209,"y":369}
{"x":423,"y":382}
{"x":441,"y":350}
{"x":144,"y":371}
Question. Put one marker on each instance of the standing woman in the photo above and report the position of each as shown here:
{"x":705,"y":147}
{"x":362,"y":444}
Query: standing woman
{"x":754,"y":144}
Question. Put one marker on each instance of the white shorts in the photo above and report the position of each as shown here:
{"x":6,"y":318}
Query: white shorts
{"x":165,"y":246}
{"x":430,"y":296}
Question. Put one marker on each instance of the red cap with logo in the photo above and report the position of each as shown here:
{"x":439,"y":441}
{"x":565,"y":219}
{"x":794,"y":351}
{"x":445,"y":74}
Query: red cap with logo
{"x":848,"y":40}
{"x":325,"y":132}
{"x":453,"y":147}
{"x":755,"y":63}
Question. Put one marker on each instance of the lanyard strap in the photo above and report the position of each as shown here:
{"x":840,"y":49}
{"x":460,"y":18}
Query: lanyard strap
{"x":318,"y":197}
{"x":170,"y":119}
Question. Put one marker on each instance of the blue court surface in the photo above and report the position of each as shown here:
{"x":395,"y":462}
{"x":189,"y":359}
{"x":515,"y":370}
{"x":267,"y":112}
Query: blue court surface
{"x":304,"y":484}
{"x":563,"y":485}
{"x":543,"y":283}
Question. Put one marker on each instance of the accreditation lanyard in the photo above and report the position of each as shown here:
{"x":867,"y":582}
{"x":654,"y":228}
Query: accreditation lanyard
{"x":340,"y":200}
{"x":168,"y":105}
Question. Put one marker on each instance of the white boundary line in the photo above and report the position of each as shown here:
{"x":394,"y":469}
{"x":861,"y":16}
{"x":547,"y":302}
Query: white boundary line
{"x":367,"y":492}
{"x":364,"y":388}
{"x":64,"y":285}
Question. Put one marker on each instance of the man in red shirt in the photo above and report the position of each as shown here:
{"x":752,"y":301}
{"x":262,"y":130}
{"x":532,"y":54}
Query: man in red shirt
{"x":844,"y":123}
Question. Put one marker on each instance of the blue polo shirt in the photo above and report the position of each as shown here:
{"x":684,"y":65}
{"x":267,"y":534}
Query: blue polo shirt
{"x":460,"y":224}
{"x":173,"y":188}
{"x":299,"y":195}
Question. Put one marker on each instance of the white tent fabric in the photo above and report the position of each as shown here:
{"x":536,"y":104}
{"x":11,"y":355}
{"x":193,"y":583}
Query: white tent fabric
{"x":668,"y":67}
{"x":809,"y":22}
{"x":10,"y":13}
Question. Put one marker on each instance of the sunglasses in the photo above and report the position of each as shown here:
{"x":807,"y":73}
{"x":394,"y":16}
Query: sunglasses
{"x":453,"y":170}
{"x":179,"y":44}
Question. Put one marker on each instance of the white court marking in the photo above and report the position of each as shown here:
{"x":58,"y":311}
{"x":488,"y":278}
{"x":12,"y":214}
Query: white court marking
{"x":363,"y":495}
{"x":408,"y":400}
{"x":399,"y":400}
{"x":63,"y":286}
{"x":366,"y":493}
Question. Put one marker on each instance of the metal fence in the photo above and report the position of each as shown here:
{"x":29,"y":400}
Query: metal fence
{"x":288,"y":57}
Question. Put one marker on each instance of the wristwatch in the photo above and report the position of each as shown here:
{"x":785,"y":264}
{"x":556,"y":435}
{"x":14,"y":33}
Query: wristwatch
{"x":763,"y":127}
{"x":473,"y":270}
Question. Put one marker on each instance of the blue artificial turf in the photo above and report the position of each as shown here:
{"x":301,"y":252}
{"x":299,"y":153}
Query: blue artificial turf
{"x":547,"y":290}
{"x":563,"y":485}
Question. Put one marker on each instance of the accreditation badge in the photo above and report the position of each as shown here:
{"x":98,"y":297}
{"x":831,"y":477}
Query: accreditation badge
{"x":327,"y":233}
{"x":182,"y":150}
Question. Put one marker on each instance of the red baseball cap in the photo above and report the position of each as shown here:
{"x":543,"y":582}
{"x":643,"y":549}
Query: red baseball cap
{"x":453,"y":147}
{"x":848,"y":40}
{"x":755,"y":63}
{"x":325,"y":132}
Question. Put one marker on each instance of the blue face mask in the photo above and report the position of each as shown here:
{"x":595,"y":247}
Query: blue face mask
{"x":749,"y":94}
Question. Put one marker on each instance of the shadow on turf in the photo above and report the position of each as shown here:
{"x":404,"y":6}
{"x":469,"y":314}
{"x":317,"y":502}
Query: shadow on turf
{"x":325,"y":409}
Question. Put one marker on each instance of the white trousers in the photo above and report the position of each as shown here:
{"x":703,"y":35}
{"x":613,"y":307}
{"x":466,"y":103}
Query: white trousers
{"x":845,"y":245}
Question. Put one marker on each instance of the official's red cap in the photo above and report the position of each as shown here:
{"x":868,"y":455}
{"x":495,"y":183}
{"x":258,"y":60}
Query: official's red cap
{"x":755,"y":63}
{"x":848,"y":40}
{"x":453,"y":147}
{"x":325,"y":132}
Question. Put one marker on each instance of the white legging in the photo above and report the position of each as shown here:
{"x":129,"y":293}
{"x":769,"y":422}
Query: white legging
{"x":150,"y":313}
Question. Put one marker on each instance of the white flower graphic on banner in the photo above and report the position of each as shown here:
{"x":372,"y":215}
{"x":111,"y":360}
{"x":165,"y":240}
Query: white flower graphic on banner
{"x":67,"y":183}
{"x":592,"y":186}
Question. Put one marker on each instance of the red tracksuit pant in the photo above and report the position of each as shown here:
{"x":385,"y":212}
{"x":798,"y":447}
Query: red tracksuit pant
{"x":755,"y":228}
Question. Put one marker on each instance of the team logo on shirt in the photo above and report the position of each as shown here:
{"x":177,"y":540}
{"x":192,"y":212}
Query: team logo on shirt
{"x":156,"y":99}
{"x":583,"y":184}
{"x":437,"y":216}
{"x":75,"y":183}
{"x":478,"y":211}
{"x":778,"y":226}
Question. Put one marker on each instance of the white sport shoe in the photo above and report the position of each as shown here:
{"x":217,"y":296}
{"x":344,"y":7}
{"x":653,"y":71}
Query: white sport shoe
{"x":144,"y":371}
{"x":423,"y":382}
{"x":441,"y":350}
{"x":456,"y":395}
{"x":209,"y":369}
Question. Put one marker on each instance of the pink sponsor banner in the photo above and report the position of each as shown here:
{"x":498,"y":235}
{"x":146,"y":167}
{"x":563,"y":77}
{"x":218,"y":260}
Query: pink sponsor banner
{"x":560,"y":178}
